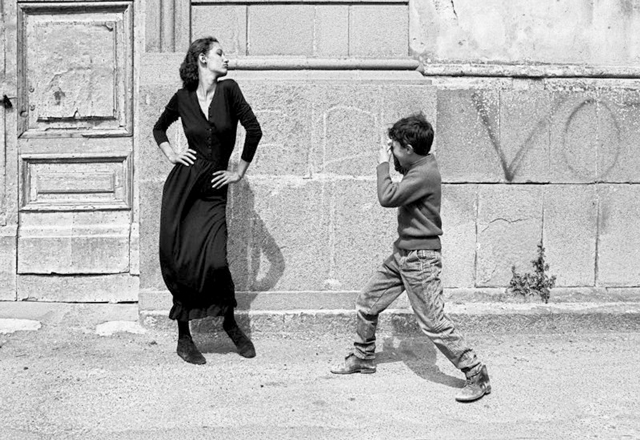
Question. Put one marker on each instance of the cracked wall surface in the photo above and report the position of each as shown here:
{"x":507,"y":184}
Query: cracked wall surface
{"x":600,"y":32}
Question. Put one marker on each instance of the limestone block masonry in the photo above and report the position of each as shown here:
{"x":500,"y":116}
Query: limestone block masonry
{"x":305,"y":221}
{"x":306,"y":230}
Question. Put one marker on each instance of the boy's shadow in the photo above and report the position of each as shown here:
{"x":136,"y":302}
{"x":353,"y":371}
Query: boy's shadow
{"x":249,"y":248}
{"x":417,"y":353}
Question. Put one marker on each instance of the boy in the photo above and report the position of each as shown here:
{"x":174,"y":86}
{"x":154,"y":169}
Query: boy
{"x":415,"y":263}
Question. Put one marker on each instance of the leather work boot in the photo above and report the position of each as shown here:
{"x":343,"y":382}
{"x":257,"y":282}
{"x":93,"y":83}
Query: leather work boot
{"x":188,"y":351}
{"x":353,"y":364}
{"x":242,"y":342}
{"x":477,"y":385}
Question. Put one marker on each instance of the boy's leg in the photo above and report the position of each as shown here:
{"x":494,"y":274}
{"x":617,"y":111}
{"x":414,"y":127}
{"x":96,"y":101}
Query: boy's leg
{"x":420,"y":271}
{"x":381,"y":290}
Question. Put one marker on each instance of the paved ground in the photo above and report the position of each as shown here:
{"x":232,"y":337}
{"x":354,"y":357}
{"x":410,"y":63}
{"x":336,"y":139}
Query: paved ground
{"x":64,"y":381}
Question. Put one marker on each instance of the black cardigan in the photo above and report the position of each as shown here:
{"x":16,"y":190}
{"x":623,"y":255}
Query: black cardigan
{"x":212,"y":139}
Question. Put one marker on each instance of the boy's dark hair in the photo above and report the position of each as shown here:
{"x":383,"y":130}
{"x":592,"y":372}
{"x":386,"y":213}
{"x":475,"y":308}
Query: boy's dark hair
{"x":413,"y":130}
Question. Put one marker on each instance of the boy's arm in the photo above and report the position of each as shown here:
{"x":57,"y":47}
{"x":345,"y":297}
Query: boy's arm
{"x":392,"y":195}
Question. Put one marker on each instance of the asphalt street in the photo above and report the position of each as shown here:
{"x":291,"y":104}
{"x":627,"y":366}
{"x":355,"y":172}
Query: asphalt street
{"x":69,"y":382}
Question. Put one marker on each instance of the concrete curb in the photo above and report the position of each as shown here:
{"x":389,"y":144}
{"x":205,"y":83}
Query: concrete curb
{"x":499,"y":317}
{"x":469,"y":318}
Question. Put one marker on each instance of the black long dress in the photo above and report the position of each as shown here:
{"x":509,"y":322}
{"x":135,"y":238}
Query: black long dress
{"x":193,"y":225}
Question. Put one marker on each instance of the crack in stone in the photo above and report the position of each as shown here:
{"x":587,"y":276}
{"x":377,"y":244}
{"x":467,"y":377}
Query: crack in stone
{"x":453,"y":8}
{"x":501,"y":219}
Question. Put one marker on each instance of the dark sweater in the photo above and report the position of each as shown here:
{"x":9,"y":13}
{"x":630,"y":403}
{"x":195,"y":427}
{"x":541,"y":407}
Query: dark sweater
{"x":417,"y":197}
{"x":214,"y":136}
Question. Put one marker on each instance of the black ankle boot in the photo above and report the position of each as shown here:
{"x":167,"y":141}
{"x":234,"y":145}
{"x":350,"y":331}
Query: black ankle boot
{"x":242,"y":342}
{"x":188,"y":351}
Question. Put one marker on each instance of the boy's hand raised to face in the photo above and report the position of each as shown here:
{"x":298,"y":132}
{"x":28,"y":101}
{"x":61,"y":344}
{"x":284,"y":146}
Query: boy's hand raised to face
{"x":384,"y":153}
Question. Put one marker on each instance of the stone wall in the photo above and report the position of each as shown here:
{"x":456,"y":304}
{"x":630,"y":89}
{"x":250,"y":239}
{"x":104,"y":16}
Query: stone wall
{"x":536,"y":112}
{"x":545,"y":160}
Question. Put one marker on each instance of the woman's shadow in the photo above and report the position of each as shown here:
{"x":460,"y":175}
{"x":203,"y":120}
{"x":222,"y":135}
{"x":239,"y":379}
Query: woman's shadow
{"x":256,"y":263}
{"x":416,"y":352}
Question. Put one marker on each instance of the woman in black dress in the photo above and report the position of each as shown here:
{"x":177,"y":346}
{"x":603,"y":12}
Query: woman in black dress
{"x":193,"y":227}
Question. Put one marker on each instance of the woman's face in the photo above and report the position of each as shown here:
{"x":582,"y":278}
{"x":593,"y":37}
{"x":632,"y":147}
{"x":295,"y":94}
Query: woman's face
{"x":215,"y":61}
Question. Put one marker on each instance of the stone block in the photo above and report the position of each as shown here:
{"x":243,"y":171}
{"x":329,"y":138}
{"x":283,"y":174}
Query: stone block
{"x":570,"y":231}
{"x":74,"y":242}
{"x":284,"y":112}
{"x":278,"y":236}
{"x":523,"y":142}
{"x":467,"y":133}
{"x":347,"y":128}
{"x":618,"y":235}
{"x":402,"y":100}
{"x":227,"y":23}
{"x":106,"y":288}
{"x":332,"y":31}
{"x":280,"y":29}
{"x":509,"y":230}
{"x":458,"y":211}
{"x":265,"y":301}
{"x":574,"y":135}
{"x":8,"y":264}
{"x":152,"y":163}
{"x":74,"y":254}
{"x":150,"y":198}
{"x":361,"y":232}
{"x":153,"y":25}
{"x":618,"y":158}
{"x":379,"y":31}
{"x":134,"y":250}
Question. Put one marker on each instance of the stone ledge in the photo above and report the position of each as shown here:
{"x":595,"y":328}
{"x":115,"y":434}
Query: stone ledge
{"x":469,"y":318}
{"x":528,"y":70}
{"x":73,"y":315}
{"x":162,"y":69}
{"x":151,"y":300}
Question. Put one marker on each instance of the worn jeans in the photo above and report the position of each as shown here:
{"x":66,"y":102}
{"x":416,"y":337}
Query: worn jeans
{"x":417,"y":272}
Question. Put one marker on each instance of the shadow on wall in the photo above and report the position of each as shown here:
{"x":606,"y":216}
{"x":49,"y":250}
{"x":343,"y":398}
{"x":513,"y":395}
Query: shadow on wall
{"x":255,"y":260}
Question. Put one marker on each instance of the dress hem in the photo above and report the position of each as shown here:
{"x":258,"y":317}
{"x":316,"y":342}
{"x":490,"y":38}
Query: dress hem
{"x":181,"y":313}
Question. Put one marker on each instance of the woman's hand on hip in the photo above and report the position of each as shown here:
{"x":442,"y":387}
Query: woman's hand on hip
{"x":185,"y":158}
{"x":223,"y":177}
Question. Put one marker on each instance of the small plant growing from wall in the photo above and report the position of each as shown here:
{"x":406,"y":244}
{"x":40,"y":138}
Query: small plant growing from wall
{"x":536,"y":283}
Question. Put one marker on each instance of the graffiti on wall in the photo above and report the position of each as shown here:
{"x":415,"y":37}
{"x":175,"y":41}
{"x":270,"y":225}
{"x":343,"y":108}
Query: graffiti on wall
{"x":584,"y":132}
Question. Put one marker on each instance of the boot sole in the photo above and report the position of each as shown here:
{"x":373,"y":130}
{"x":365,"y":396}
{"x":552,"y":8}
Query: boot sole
{"x":354,"y":371}
{"x":193,"y":362}
{"x":486,"y":391}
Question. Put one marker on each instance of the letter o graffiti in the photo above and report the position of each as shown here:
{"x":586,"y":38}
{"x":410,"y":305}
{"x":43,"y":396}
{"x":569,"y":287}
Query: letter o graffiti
{"x":583,"y":140}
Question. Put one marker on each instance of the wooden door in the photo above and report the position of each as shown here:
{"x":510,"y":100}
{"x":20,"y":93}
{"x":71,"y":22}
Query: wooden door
{"x":74,"y":151}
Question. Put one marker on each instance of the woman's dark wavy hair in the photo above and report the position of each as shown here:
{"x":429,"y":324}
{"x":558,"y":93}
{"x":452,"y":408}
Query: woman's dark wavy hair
{"x":189,"y":67}
{"x":413,"y":130}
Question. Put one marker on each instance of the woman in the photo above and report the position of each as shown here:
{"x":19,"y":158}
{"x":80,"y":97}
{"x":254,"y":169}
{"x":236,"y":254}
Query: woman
{"x":193,"y":227}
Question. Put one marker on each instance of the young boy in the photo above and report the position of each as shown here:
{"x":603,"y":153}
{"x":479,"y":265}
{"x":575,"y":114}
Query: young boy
{"x":415,"y":263}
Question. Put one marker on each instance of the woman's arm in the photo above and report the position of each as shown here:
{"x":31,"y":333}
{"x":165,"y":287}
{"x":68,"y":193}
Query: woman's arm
{"x":168,"y":117}
{"x":249,"y":122}
{"x":254,"y":133}
{"x":185,"y":158}
{"x":223,"y":177}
